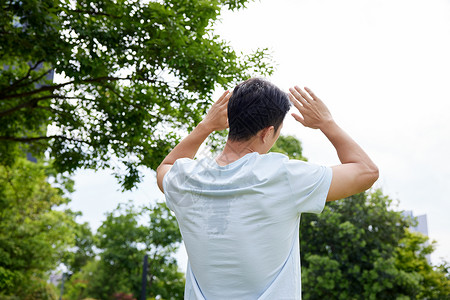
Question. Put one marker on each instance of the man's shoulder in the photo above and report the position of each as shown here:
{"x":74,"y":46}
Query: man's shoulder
{"x":280,"y":158}
{"x":185,"y":164}
{"x":275,"y":156}
{"x":188,"y":165}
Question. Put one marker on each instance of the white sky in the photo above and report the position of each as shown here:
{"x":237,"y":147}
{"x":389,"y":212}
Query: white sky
{"x":383,"y":69}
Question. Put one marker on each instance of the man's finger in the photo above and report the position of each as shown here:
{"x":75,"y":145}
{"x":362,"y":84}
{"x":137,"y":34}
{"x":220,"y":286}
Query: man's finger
{"x":311,"y":93}
{"x":226,"y":99}
{"x":299,"y":119}
{"x":304,"y":95}
{"x":294,"y":101}
{"x":297,"y":96}
{"x":223,"y":96}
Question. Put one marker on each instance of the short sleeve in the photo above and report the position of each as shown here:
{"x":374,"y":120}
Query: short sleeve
{"x":166,"y":185}
{"x":172,"y":182}
{"x":309,"y":184}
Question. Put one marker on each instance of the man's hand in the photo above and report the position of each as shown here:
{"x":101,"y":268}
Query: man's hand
{"x":217,"y":117}
{"x":314,"y":112}
{"x":357,"y":172}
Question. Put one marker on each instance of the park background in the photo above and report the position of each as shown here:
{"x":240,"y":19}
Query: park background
{"x":383,"y":69}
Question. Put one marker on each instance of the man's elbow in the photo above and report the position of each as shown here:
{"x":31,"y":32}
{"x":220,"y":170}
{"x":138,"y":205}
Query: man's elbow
{"x":159,"y":178}
{"x":161,"y":171}
{"x":158,"y":169}
{"x":372,"y":175}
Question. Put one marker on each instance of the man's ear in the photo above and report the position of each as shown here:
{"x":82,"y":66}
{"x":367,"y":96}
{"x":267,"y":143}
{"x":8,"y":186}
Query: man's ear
{"x":267,"y":133}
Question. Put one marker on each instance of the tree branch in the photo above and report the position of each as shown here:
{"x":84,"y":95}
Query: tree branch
{"x":30,"y":103}
{"x":34,"y":80}
{"x":55,"y":111}
{"x":58,"y":86}
{"x":65,"y":113}
{"x":42,"y":89}
{"x":32,"y":139}
{"x":93,"y":13}
{"x":55,"y":96}
{"x":28,"y":73}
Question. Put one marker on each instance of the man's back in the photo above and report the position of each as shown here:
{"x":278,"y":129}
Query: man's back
{"x":240,"y":223}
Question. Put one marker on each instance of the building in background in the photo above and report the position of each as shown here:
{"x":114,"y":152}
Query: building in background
{"x":421,"y":226}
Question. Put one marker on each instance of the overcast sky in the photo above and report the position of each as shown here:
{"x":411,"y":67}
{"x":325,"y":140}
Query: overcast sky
{"x":383,"y":69}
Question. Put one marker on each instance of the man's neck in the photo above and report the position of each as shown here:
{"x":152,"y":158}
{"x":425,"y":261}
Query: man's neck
{"x":235,"y":150}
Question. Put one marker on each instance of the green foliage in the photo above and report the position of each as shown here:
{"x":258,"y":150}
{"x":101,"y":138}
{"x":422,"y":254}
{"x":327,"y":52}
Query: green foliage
{"x":77,"y":286}
{"x":129,"y":72}
{"x":290,"y":146}
{"x":33,"y":235}
{"x":124,"y":238}
{"x":324,"y":274}
{"x":432,"y":282}
{"x":360,"y":248}
{"x":83,"y":250}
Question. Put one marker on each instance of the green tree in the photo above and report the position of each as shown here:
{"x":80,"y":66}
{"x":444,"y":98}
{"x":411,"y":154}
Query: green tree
{"x":129,"y":71}
{"x":123,"y":239}
{"x":34,"y":234}
{"x":411,"y":257}
{"x":83,"y":250}
{"x":76,"y":288}
{"x":360,"y":248}
{"x":290,"y":146}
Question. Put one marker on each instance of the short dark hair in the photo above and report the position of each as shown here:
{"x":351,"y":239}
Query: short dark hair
{"x":254,"y":105}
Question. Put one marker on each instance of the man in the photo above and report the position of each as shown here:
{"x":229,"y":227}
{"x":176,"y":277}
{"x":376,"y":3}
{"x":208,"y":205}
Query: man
{"x":239,"y":213}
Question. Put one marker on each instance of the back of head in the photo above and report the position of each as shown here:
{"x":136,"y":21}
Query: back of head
{"x":254,"y":105}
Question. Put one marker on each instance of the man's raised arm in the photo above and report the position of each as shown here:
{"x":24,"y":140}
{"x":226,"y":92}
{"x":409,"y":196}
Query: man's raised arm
{"x":216,"y":119}
{"x":357,"y":172}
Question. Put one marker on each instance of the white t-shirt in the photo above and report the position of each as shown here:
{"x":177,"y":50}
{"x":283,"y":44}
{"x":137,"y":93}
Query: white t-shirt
{"x":240,"y":223}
